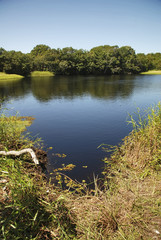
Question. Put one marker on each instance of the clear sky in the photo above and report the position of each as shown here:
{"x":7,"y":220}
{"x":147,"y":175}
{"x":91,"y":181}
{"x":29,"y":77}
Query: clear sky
{"x":80,"y":24}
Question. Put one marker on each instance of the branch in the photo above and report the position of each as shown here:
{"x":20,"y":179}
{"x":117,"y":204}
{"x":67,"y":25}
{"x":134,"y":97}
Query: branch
{"x":18,"y":153}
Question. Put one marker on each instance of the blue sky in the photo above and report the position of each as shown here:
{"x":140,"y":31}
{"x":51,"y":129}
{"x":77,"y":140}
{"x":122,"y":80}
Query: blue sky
{"x":80,"y":24}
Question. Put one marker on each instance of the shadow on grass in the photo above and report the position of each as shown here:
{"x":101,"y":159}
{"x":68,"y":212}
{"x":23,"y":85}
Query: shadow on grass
{"x":26,"y":218}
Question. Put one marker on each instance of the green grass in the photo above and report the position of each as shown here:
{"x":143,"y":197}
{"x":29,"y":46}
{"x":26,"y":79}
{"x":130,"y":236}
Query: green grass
{"x":41,"y":73}
{"x":126,"y":204}
{"x":153,"y":72}
{"x":5,"y":76}
{"x":30,"y":207}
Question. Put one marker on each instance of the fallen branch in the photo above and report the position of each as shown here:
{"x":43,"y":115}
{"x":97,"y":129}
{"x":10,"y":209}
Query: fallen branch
{"x":18,"y":153}
{"x":3,"y":180}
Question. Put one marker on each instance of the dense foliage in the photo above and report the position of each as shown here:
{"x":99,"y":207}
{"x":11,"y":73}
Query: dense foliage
{"x":68,"y":61}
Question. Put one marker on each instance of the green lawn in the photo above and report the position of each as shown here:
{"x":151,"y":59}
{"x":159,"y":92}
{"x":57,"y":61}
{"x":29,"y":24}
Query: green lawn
{"x":5,"y":76}
{"x":41,"y":73}
{"x":153,"y":72}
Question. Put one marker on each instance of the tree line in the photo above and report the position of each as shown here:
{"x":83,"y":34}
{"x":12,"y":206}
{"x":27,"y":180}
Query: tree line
{"x":102,"y":60}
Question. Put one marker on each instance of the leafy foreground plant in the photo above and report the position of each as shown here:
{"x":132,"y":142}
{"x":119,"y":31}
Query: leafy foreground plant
{"x":128,"y":206}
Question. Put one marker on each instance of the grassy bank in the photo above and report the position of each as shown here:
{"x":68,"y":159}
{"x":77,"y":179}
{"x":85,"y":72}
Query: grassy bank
{"x":134,"y":174}
{"x":5,"y":76}
{"x":41,"y":74}
{"x":126,"y":206}
{"x":153,"y":72}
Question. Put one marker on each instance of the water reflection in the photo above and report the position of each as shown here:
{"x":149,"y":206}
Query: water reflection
{"x":14,"y":88}
{"x":112,"y":87}
{"x":92,"y":110}
{"x":47,"y":88}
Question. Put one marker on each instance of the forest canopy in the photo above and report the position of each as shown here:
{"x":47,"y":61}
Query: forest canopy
{"x":102,"y":60}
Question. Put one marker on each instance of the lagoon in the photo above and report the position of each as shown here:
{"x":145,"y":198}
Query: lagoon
{"x":75,"y":114}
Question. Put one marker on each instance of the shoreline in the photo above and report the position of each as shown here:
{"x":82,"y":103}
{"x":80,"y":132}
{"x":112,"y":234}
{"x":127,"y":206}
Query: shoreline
{"x":152,"y":72}
{"x":5,"y":76}
{"x":32,"y":207}
{"x":41,"y":74}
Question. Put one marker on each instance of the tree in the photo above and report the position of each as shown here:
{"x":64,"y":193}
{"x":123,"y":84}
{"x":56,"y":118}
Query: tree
{"x":100,"y":59}
{"x":16,"y":62}
{"x":2,"y":58}
{"x":40,"y":49}
{"x":68,"y":61}
{"x":45,"y":59}
{"x":128,"y":60}
{"x":142,"y":62}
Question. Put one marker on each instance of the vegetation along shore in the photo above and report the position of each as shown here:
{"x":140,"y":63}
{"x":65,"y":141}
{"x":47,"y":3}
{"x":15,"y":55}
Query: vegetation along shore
{"x":5,"y":76}
{"x":42,"y":74}
{"x":125,"y":205}
{"x":153,"y":72}
{"x":101,"y":60}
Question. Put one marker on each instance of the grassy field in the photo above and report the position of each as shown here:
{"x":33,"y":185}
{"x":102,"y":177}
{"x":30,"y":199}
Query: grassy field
{"x":41,"y":73}
{"x":125,"y":204}
{"x":5,"y":76}
{"x":153,"y":72}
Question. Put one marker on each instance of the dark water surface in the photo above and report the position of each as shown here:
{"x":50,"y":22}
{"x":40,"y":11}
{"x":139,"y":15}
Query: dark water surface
{"x":74,"y":115}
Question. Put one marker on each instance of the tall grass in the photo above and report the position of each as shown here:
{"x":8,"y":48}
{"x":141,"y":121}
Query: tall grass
{"x":134,"y":180}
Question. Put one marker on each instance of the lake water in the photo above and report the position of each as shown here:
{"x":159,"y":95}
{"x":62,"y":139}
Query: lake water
{"x":74,"y":115}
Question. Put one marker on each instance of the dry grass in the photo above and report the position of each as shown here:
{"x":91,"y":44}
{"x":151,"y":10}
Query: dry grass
{"x":135,"y":176}
{"x":130,"y":207}
{"x":129,"y":210}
